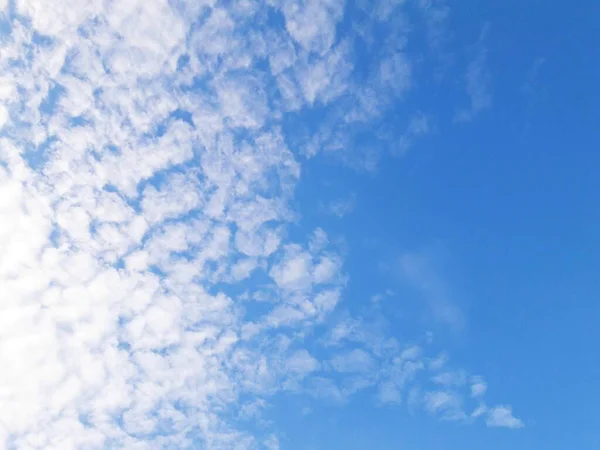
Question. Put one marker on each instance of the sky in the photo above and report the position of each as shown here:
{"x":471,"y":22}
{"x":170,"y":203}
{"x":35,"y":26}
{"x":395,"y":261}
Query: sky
{"x":299,"y":224}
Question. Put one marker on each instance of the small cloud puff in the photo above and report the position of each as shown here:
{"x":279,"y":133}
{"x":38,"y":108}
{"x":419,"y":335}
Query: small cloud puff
{"x":502,"y":416}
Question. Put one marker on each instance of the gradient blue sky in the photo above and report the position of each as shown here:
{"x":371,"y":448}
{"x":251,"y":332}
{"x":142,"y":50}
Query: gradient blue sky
{"x":299,"y":224}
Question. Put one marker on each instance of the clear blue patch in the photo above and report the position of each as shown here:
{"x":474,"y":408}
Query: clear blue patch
{"x":156,"y":270}
{"x":120,"y":264}
{"x":183,"y":61}
{"x":55,"y":235}
{"x":80,"y":121}
{"x":85,"y":420}
{"x":5,"y":26}
{"x":37,"y":157}
{"x":42,"y":40}
{"x":48,"y":105}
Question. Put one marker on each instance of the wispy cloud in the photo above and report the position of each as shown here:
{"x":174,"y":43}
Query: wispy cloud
{"x":437,"y":15}
{"x":531,"y":88}
{"x":478,"y":82}
{"x":418,"y":126}
{"x":341,"y":207}
{"x":530,"y":84}
{"x":419,"y":269}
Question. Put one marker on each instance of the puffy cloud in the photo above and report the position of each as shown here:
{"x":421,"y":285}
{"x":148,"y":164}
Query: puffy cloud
{"x":478,"y":387}
{"x":502,"y":416}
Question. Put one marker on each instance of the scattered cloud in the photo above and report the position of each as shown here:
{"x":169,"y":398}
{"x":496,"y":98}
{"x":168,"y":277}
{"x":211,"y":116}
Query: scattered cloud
{"x":152,"y":293}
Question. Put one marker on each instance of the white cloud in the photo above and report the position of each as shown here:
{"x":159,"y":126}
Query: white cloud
{"x":395,"y":73}
{"x":440,"y":401}
{"x":478,"y":387}
{"x":446,"y":404}
{"x":321,"y":387}
{"x":153,"y":192}
{"x":272,"y":443}
{"x":438,"y":362}
{"x":294,"y":272}
{"x":243,"y":268}
{"x":327,"y":269}
{"x":354,"y":361}
{"x":302,"y":363}
{"x":4,"y":116}
{"x":312,"y":22}
{"x":456,"y":378}
{"x":52,"y":21}
{"x":501,"y":416}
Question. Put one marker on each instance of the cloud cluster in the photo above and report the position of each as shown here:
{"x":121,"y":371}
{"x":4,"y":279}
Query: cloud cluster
{"x":150,"y":294}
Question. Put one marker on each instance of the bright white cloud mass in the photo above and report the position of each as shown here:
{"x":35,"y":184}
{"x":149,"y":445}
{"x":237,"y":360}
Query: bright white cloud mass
{"x":151,"y":293}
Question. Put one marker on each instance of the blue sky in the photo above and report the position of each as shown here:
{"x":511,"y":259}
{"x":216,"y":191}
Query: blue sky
{"x":299,"y":224}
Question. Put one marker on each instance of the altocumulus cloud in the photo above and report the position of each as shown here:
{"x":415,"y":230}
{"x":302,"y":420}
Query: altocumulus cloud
{"x":145,"y":184}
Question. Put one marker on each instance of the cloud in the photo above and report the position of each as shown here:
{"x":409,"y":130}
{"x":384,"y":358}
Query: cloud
{"x":272,"y":443}
{"x":419,"y":269}
{"x":457,"y":378}
{"x":436,"y":14}
{"x":302,"y":362}
{"x":378,"y":298}
{"x":501,"y":416}
{"x":438,"y":362}
{"x":312,"y":23}
{"x":530,"y":84}
{"x":478,"y":81}
{"x":354,"y":361}
{"x":478,"y":387}
{"x":341,"y":207}
{"x":153,"y":295}
{"x":418,"y":126}
{"x":436,"y":402}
